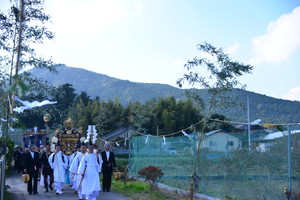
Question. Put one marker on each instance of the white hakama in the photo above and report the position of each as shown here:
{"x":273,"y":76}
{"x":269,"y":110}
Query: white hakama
{"x":74,"y":171}
{"x":59,"y":164}
{"x":90,"y":166}
{"x":71,"y":158}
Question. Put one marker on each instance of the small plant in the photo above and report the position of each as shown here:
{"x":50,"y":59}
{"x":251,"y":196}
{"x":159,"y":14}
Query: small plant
{"x":152,"y":175}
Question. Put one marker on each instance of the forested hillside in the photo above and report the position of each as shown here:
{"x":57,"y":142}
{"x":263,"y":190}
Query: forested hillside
{"x":105,"y":87}
{"x":269,"y":109}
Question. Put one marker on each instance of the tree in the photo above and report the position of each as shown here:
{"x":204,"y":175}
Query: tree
{"x":216,"y":73}
{"x":21,"y":27}
{"x":217,"y":121}
{"x":85,"y":98}
{"x":64,"y":95}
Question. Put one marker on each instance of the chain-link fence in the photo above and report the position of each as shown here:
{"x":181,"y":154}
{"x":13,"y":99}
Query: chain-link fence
{"x":226,"y":167}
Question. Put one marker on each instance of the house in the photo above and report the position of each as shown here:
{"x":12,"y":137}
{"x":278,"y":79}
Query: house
{"x":264,"y":143}
{"x":117,"y":135}
{"x":221,"y":140}
{"x":121,"y":133}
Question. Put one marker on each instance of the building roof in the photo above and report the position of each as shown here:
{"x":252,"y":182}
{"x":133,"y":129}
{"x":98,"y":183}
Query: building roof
{"x":215,"y":131}
{"x":252,"y":127}
{"x":114,"y":134}
{"x":279,"y":134}
{"x":220,"y":131}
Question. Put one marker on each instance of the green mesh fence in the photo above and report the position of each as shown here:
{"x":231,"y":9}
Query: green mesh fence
{"x":228,"y":171}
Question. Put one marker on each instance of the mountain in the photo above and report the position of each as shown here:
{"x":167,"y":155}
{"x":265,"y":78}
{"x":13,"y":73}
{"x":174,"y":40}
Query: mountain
{"x":269,"y":109}
{"x":107,"y":87}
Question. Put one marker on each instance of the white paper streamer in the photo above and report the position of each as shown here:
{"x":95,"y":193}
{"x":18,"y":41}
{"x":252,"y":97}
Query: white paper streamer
{"x":10,"y":128}
{"x":164,"y":139}
{"x":20,"y":109}
{"x":4,"y":120}
{"x":185,"y":134}
{"x":35,"y":129}
{"x":147,"y":139}
{"x":92,"y":131}
{"x":117,"y":144}
{"x":257,"y":121}
{"x":28,"y":105}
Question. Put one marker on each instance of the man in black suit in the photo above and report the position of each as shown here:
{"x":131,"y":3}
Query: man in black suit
{"x":32,"y":166}
{"x":47,"y":170}
{"x":109,"y":163}
{"x":17,"y":158}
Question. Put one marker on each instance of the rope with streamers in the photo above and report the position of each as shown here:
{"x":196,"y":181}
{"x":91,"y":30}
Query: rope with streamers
{"x":183,"y":130}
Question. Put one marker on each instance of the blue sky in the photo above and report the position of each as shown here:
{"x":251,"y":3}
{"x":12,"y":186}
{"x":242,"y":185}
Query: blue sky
{"x":150,"y":40}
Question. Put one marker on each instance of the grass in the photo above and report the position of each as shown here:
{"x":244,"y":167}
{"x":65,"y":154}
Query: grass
{"x":138,"y":190}
{"x":6,"y":195}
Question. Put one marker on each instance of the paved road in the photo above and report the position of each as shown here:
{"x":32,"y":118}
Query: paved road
{"x":18,"y":191}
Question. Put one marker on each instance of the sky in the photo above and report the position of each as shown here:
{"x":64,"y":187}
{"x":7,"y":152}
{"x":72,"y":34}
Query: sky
{"x":150,"y":40}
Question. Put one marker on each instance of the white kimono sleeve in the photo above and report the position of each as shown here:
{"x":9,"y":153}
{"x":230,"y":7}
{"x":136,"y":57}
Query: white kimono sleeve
{"x":74,"y":164}
{"x":100,"y":163}
{"x":82,"y":165}
{"x":52,"y":164}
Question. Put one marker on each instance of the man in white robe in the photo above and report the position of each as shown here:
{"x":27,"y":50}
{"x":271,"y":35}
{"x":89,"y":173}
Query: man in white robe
{"x":74,"y":168}
{"x":89,"y":169}
{"x":59,"y":163}
{"x":71,"y":158}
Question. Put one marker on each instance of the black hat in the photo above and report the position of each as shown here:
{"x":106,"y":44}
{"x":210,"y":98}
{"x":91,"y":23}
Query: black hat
{"x":58,"y":145}
{"x":91,"y":144}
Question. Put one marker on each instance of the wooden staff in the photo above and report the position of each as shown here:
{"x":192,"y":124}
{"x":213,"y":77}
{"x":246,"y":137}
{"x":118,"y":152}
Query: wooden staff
{"x":81,"y":178}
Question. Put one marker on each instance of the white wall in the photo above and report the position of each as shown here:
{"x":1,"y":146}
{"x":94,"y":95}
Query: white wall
{"x":221,"y":142}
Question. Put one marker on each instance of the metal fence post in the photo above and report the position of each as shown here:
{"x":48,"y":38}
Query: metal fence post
{"x":2,"y":163}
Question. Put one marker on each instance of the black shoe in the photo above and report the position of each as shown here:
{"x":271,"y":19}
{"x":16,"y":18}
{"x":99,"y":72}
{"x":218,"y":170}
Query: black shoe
{"x":46,"y":191}
{"x":35,"y":193}
{"x":51,"y":188}
{"x":30,"y":193}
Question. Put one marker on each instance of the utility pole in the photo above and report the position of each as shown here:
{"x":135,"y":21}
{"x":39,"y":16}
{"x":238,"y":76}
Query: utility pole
{"x":248,"y":114}
{"x":289,"y":159}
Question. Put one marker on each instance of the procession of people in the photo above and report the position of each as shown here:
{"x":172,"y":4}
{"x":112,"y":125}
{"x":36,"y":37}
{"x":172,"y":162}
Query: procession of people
{"x":55,"y":170}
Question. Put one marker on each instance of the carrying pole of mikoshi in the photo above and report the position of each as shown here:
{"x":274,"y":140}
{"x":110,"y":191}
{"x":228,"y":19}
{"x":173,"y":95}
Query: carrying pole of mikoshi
{"x":81,"y":178}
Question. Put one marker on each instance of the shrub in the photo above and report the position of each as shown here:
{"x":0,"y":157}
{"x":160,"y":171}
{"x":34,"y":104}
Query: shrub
{"x":152,"y":175}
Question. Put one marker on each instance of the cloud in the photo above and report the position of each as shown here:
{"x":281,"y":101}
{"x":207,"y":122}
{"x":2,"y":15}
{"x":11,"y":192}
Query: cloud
{"x":77,"y":17}
{"x":179,"y":62}
{"x":293,"y":94}
{"x":138,"y":7}
{"x":280,"y":41}
{"x":233,"y":49}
